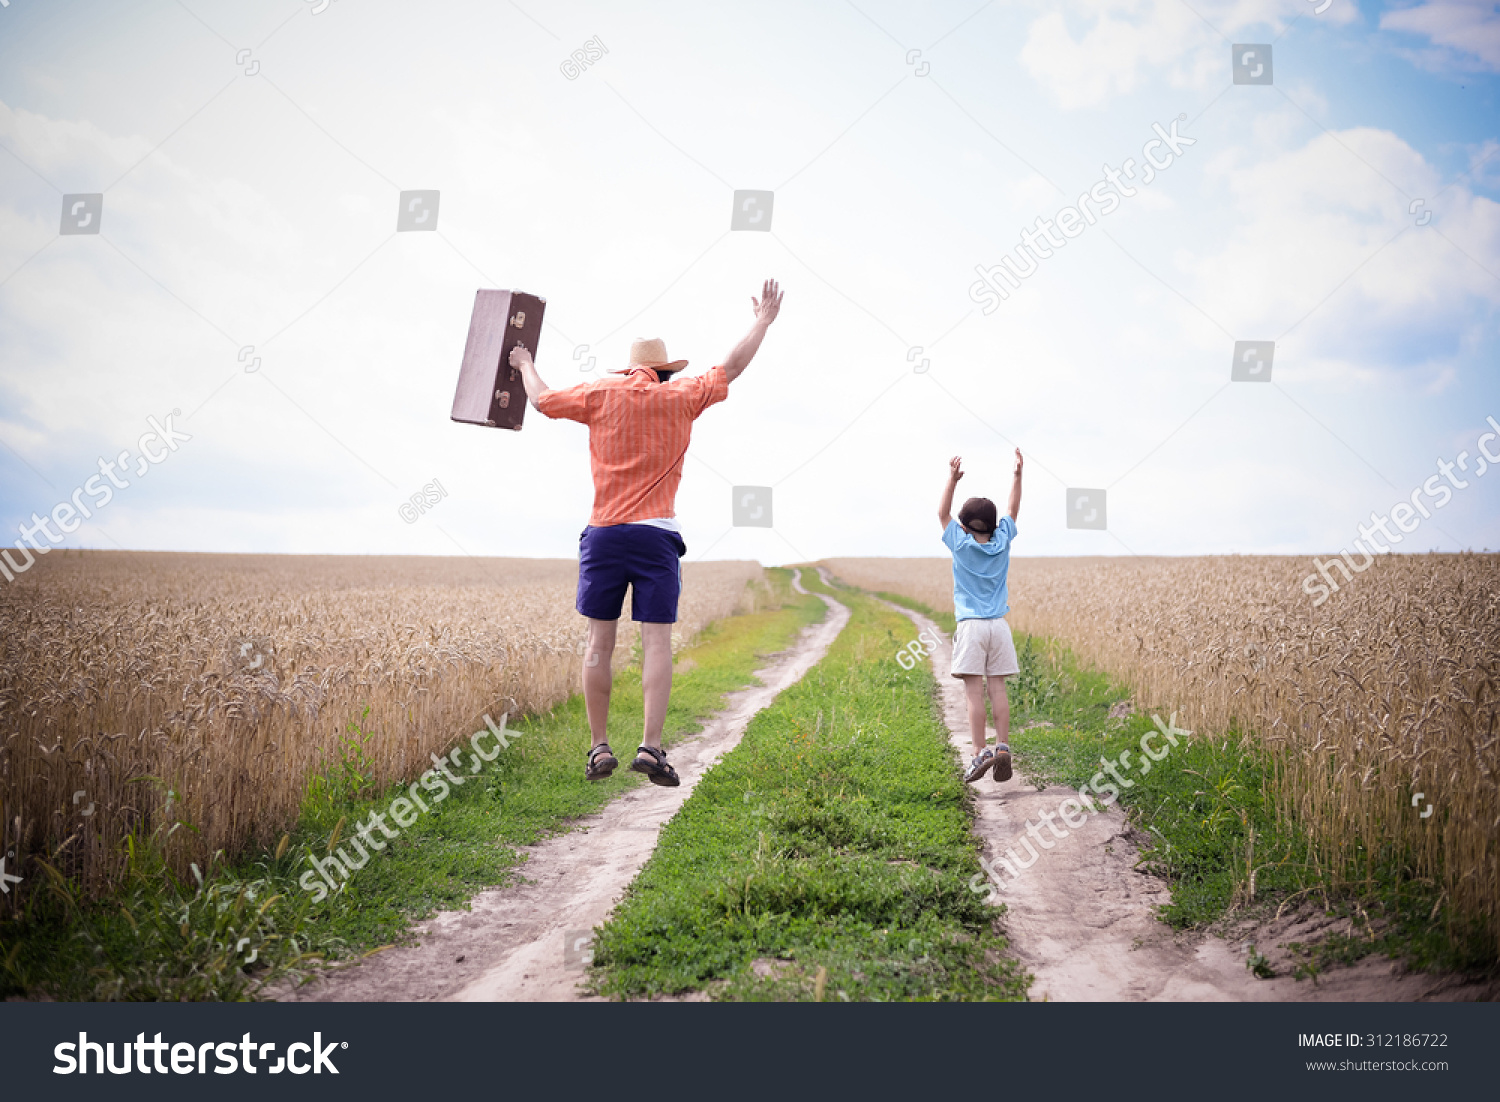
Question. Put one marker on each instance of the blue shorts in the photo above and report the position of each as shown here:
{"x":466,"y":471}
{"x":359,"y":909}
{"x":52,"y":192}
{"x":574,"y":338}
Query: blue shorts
{"x":643,"y":557}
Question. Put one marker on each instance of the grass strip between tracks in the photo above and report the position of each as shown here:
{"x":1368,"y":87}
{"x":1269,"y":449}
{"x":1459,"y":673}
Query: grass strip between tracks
{"x":828,"y":856}
{"x":248,"y":922}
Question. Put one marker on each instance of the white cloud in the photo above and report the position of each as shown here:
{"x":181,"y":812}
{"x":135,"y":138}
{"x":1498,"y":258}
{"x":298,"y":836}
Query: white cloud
{"x":1319,"y":221}
{"x":1115,"y":48}
{"x":1094,"y":50}
{"x":1484,"y":164}
{"x":1469,"y":28}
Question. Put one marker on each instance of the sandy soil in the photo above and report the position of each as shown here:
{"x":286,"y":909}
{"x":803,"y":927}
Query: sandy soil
{"x":1081,"y":917}
{"x":530,"y":942}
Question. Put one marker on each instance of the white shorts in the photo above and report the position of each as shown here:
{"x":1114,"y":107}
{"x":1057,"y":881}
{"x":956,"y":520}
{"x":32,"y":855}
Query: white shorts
{"x":984,"y":647}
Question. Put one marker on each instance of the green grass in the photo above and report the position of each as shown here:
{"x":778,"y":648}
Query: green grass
{"x":1209,"y":817}
{"x":1205,"y":806}
{"x":943,"y":620}
{"x":834,"y":840}
{"x":1208,"y":809}
{"x":164,"y":937}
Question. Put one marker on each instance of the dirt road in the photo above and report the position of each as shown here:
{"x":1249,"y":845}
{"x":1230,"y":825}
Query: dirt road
{"x":529,"y":942}
{"x":1081,"y":917}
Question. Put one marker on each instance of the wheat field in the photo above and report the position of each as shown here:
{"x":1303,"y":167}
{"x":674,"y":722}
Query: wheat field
{"x":138,"y":689}
{"x":1389,"y":689}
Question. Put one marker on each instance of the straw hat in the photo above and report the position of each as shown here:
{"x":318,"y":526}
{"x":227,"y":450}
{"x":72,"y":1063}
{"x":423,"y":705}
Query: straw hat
{"x":650,"y":352}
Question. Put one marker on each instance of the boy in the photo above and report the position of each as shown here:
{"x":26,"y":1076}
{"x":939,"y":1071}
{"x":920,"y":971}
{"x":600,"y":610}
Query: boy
{"x":983,"y":651}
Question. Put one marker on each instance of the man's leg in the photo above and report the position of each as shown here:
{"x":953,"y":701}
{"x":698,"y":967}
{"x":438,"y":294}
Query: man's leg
{"x":974,"y":694}
{"x":656,"y":678}
{"x":656,"y":585}
{"x":598,"y":677}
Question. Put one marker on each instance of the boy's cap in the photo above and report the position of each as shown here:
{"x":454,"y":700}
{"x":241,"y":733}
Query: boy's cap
{"x":978,"y":515}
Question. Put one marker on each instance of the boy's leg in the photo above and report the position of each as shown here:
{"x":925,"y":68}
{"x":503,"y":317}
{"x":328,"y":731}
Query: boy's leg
{"x":1002,"y":768}
{"x":656,"y":678}
{"x":974,"y":694}
{"x":983,"y":761}
{"x":1000,"y":702}
{"x":598,"y":677}
{"x":1001,"y":664}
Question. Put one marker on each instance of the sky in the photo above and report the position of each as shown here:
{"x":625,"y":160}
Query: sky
{"x":242,"y":289}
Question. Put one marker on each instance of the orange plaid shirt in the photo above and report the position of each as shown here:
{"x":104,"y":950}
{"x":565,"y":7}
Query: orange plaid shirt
{"x":639,"y":431}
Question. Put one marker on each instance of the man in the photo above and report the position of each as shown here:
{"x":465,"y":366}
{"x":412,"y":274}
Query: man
{"x":640,"y":426}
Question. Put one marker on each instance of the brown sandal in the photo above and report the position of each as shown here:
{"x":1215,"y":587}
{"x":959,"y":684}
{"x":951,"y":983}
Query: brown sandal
{"x":602,"y":763}
{"x":653,"y":762}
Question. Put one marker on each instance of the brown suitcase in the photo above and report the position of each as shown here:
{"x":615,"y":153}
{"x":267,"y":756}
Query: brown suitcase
{"x":490,"y":391}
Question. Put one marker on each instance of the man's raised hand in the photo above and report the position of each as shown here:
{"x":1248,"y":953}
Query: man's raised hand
{"x":769,"y":304}
{"x":765,"y":308}
{"x":955,"y":469}
{"x":1019,"y":462}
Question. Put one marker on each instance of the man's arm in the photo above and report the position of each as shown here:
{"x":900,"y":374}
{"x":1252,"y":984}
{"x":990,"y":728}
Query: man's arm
{"x":766,"y":309}
{"x":945,"y":505}
{"x":520,"y":359}
{"x":1015,"y":488}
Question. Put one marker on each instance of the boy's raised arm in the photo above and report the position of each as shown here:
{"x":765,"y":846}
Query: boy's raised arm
{"x":1015,"y":488}
{"x":945,"y":506}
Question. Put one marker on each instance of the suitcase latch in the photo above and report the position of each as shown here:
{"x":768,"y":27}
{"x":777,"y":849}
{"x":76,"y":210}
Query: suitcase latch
{"x":504,"y":397}
{"x":519,"y":321}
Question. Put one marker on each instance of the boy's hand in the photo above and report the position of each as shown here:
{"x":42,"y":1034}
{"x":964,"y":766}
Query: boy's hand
{"x":520,"y":358}
{"x":945,"y":503}
{"x":1014,"y":506}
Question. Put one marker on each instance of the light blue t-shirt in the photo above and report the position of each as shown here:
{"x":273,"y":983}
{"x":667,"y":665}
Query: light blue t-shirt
{"x":979,"y":571}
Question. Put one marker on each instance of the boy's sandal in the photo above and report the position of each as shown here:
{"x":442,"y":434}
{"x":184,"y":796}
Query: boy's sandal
{"x":1002,"y":763}
{"x":602,"y":763}
{"x":979,"y":766}
{"x":653,"y":762}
